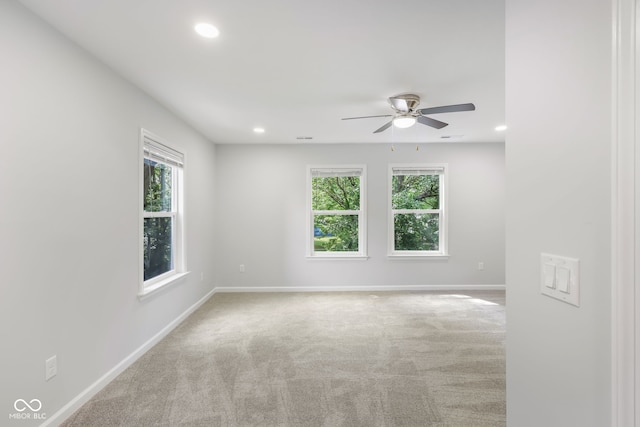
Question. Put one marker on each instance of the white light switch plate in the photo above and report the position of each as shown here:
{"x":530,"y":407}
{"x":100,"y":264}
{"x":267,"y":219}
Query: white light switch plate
{"x":563,"y":266}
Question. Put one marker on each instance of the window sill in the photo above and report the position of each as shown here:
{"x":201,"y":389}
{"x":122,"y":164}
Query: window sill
{"x":152,"y":289}
{"x":418,"y":257}
{"x":338,"y":257}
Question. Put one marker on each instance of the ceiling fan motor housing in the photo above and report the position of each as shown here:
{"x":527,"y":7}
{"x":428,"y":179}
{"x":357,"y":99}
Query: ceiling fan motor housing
{"x":405,"y":102}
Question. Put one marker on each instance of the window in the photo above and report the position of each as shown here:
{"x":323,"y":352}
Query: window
{"x":417,"y":225}
{"x":162,"y":229}
{"x":336,"y":213}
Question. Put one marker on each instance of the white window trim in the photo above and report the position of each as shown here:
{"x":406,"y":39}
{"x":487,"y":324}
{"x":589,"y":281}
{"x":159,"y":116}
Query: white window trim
{"x":179,"y":271}
{"x":443,"y":252}
{"x":361,"y":254}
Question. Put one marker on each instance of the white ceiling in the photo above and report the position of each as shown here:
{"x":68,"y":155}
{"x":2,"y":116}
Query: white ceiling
{"x":296,"y":67}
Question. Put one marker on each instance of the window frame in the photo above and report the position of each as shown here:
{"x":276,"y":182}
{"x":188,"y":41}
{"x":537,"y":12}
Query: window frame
{"x":176,"y":161}
{"x":361,"y":254}
{"x":443,"y":234}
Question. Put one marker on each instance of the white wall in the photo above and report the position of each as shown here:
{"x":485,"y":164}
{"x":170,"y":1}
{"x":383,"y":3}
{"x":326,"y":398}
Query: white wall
{"x":261,"y":216}
{"x":69,"y":232}
{"x":558,"y":59}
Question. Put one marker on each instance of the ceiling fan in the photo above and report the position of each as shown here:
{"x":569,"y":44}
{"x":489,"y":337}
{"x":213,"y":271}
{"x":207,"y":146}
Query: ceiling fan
{"x":406,"y":115}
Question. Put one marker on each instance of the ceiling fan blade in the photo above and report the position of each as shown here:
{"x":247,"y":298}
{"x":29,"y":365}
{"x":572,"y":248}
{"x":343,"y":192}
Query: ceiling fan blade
{"x":384,"y":127}
{"x":366,"y":117}
{"x":448,"y":109}
{"x":431,"y":122}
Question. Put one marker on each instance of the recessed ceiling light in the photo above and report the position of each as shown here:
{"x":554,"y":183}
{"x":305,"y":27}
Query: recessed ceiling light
{"x":207,"y":30}
{"x":501,"y":128}
{"x":258,"y":130}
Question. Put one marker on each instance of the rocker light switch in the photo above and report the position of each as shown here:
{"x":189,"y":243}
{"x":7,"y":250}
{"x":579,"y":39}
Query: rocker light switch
{"x":549,"y":271}
{"x":560,"y":278}
{"x":563,"y":275}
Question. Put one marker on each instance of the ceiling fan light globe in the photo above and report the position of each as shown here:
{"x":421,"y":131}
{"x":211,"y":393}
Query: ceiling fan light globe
{"x":404,"y":122}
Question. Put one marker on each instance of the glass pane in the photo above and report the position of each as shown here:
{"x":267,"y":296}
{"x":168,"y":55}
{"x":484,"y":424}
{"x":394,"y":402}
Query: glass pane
{"x":158,"y":257}
{"x":416,"y":232}
{"x":336,"y":193}
{"x":415,"y":192}
{"x":335,"y":233}
{"x":157,"y":186}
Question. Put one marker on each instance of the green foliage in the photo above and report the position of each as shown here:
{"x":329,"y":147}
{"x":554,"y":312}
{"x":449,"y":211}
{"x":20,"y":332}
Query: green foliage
{"x":325,"y":243}
{"x":157,"y":237}
{"x":157,"y":241}
{"x":336,"y":193}
{"x":157,"y":186}
{"x":416,"y":231}
{"x":415,"y":192}
{"x":339,"y":232}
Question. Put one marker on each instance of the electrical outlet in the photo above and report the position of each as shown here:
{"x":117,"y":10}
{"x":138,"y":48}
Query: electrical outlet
{"x":202,"y":276}
{"x":51,"y":367}
{"x":241,"y":268}
{"x":481,"y":265}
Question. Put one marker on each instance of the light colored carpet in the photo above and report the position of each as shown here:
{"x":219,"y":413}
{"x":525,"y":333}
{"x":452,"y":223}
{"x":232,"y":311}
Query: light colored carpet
{"x":319,"y":359}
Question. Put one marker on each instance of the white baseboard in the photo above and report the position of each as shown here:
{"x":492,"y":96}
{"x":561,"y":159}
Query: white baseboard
{"x":349,"y":288}
{"x":75,"y":404}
